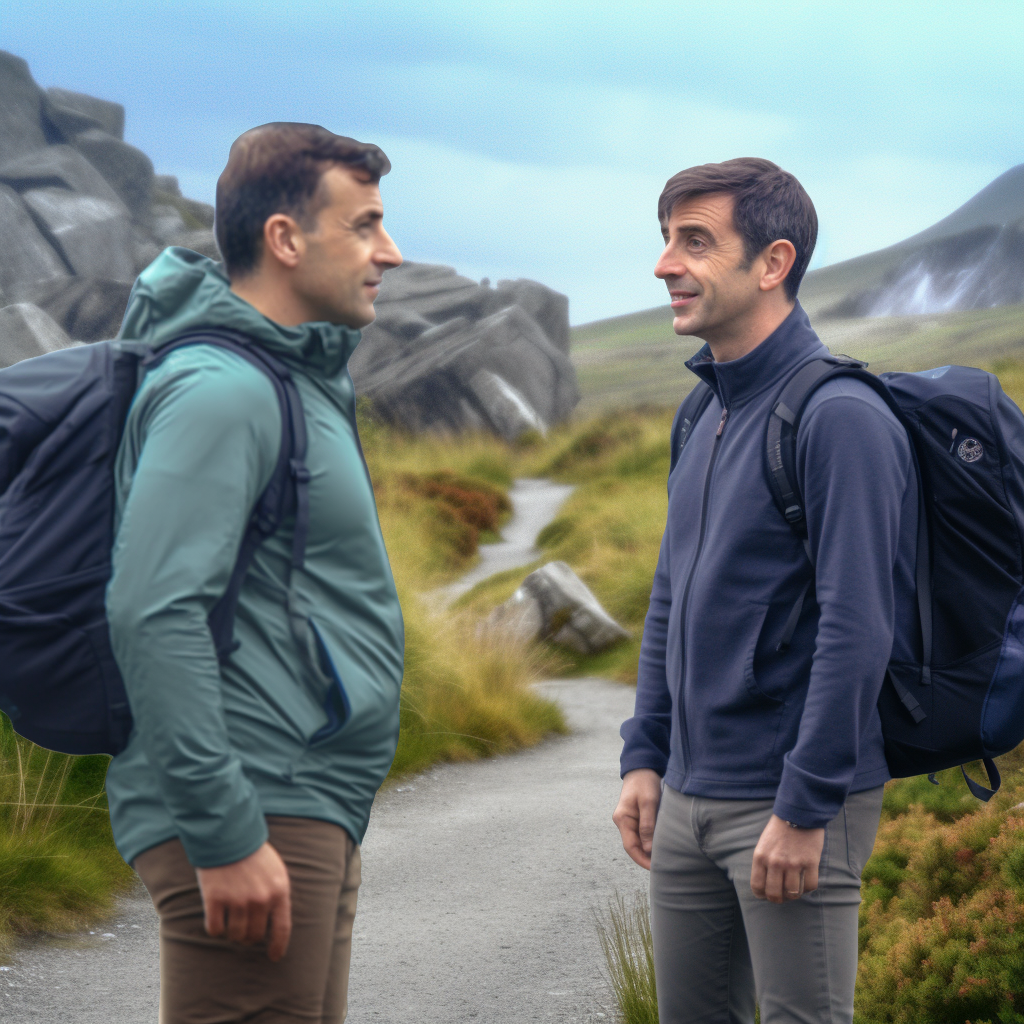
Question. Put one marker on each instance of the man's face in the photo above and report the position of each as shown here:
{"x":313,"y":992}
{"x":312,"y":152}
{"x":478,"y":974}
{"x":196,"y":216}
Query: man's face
{"x":704,"y":266}
{"x":346,"y":251}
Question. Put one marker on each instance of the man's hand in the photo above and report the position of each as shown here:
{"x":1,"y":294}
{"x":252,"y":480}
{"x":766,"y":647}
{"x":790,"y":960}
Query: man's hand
{"x":635,"y":814}
{"x":786,"y":861}
{"x":241,"y":899}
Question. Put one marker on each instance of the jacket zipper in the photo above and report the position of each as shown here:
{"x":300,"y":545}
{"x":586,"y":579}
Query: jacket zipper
{"x":689,"y":580}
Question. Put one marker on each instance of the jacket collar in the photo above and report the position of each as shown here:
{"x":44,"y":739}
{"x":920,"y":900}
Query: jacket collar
{"x":790,"y":345}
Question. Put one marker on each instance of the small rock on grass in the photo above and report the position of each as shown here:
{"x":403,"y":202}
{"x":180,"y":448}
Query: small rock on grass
{"x":554,"y":604}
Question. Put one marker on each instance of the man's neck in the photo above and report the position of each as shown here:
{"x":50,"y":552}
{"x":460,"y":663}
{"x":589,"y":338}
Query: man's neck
{"x":272,"y":298}
{"x":737,"y":339}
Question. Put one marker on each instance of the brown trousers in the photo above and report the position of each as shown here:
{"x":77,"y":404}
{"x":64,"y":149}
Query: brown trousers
{"x":215,"y":981}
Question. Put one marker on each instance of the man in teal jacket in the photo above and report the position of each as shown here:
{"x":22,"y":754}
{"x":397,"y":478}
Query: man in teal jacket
{"x":239,"y":801}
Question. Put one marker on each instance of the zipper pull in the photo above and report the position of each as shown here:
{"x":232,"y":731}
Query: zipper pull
{"x":721,"y":424}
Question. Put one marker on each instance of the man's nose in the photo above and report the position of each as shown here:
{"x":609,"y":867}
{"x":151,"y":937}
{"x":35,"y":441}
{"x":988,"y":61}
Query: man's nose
{"x":387,"y":253}
{"x":669,"y":264}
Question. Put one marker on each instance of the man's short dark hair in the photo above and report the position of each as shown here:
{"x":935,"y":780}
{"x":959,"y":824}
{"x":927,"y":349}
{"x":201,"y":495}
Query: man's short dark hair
{"x":770,"y":204}
{"x":276,"y":168}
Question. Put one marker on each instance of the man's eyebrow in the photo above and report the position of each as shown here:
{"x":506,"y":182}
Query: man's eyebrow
{"x":694,"y":227}
{"x":373,"y":213}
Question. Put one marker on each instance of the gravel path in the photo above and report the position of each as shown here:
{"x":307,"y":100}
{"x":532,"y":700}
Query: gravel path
{"x":534,"y":504}
{"x":480,"y":882}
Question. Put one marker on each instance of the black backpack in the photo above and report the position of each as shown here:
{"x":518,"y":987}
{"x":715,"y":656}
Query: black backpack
{"x":61,"y":420}
{"x":965,"y":702}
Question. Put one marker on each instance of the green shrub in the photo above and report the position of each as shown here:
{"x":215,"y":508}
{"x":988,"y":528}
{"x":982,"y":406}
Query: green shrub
{"x":942,"y":918}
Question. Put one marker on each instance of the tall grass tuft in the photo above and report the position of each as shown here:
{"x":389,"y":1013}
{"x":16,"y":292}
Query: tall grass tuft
{"x":625,"y":935}
{"x":58,"y":865}
{"x":466,"y":692}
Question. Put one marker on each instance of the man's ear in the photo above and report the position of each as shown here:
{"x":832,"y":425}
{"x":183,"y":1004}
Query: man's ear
{"x":777,"y":259}
{"x":283,"y":240}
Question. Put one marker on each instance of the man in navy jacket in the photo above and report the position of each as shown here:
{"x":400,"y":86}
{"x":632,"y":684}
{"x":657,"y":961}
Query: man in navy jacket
{"x":752,"y":775}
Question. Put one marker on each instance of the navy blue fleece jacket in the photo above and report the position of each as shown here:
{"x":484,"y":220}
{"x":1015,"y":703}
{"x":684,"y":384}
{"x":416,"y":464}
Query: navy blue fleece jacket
{"x":720,"y":712}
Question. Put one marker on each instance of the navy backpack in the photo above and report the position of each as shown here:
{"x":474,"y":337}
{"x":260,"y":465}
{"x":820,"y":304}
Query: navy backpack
{"x":965,"y":701}
{"x":61,"y":420}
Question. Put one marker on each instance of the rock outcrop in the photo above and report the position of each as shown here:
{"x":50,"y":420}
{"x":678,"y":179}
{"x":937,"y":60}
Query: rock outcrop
{"x":81,"y":210}
{"x":446,"y":353}
{"x":554,"y":604}
{"x":82,"y":213}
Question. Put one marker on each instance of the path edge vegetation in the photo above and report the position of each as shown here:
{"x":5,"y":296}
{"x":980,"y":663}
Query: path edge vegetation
{"x":466,"y":695}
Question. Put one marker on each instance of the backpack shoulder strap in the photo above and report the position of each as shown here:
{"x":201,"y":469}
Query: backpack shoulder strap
{"x":289,"y":483}
{"x":781,"y":455}
{"x":785,"y":420}
{"x":693,"y":405}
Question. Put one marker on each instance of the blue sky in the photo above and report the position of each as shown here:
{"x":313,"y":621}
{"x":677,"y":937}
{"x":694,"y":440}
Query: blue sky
{"x":532,"y":139}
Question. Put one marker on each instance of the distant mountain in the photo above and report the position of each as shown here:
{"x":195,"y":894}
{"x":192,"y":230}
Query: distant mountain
{"x":972,"y":259}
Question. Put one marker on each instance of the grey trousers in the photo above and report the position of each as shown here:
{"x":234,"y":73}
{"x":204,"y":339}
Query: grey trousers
{"x":717,"y":948}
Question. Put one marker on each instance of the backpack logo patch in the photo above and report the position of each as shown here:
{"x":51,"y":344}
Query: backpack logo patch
{"x":970,"y":449}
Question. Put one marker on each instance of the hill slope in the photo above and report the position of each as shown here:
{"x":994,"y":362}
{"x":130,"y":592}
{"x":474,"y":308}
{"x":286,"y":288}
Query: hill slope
{"x":975,"y":256}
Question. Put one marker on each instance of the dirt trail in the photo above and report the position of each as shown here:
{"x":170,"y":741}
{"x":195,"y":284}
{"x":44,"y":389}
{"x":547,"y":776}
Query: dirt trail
{"x":534,"y":504}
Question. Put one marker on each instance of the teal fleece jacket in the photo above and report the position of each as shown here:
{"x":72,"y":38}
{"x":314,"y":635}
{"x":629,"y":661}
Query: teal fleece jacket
{"x":216,"y":747}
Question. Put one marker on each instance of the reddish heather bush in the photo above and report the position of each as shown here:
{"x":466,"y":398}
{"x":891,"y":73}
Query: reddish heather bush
{"x":943,"y":920}
{"x":465,"y":507}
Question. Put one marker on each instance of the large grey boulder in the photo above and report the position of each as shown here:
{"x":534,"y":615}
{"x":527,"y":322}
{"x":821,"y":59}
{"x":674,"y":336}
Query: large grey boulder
{"x":167,"y":190}
{"x":57,"y":166}
{"x":548,"y":308}
{"x":75,"y":112}
{"x":441,"y":380}
{"x":128,"y":170}
{"x":26,"y":331}
{"x":513,"y":345}
{"x":88,"y":309}
{"x":21,"y":103}
{"x":165,"y":223}
{"x":93,"y":235}
{"x":26,"y":255}
{"x":554,"y":604}
{"x":81,"y":212}
{"x":446,"y":353}
{"x":507,"y":410}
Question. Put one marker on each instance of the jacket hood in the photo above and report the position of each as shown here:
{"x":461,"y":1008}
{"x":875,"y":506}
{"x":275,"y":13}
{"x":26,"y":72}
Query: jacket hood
{"x":182,"y":290}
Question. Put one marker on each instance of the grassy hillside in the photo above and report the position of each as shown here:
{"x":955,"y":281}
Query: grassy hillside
{"x":636,"y":359}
